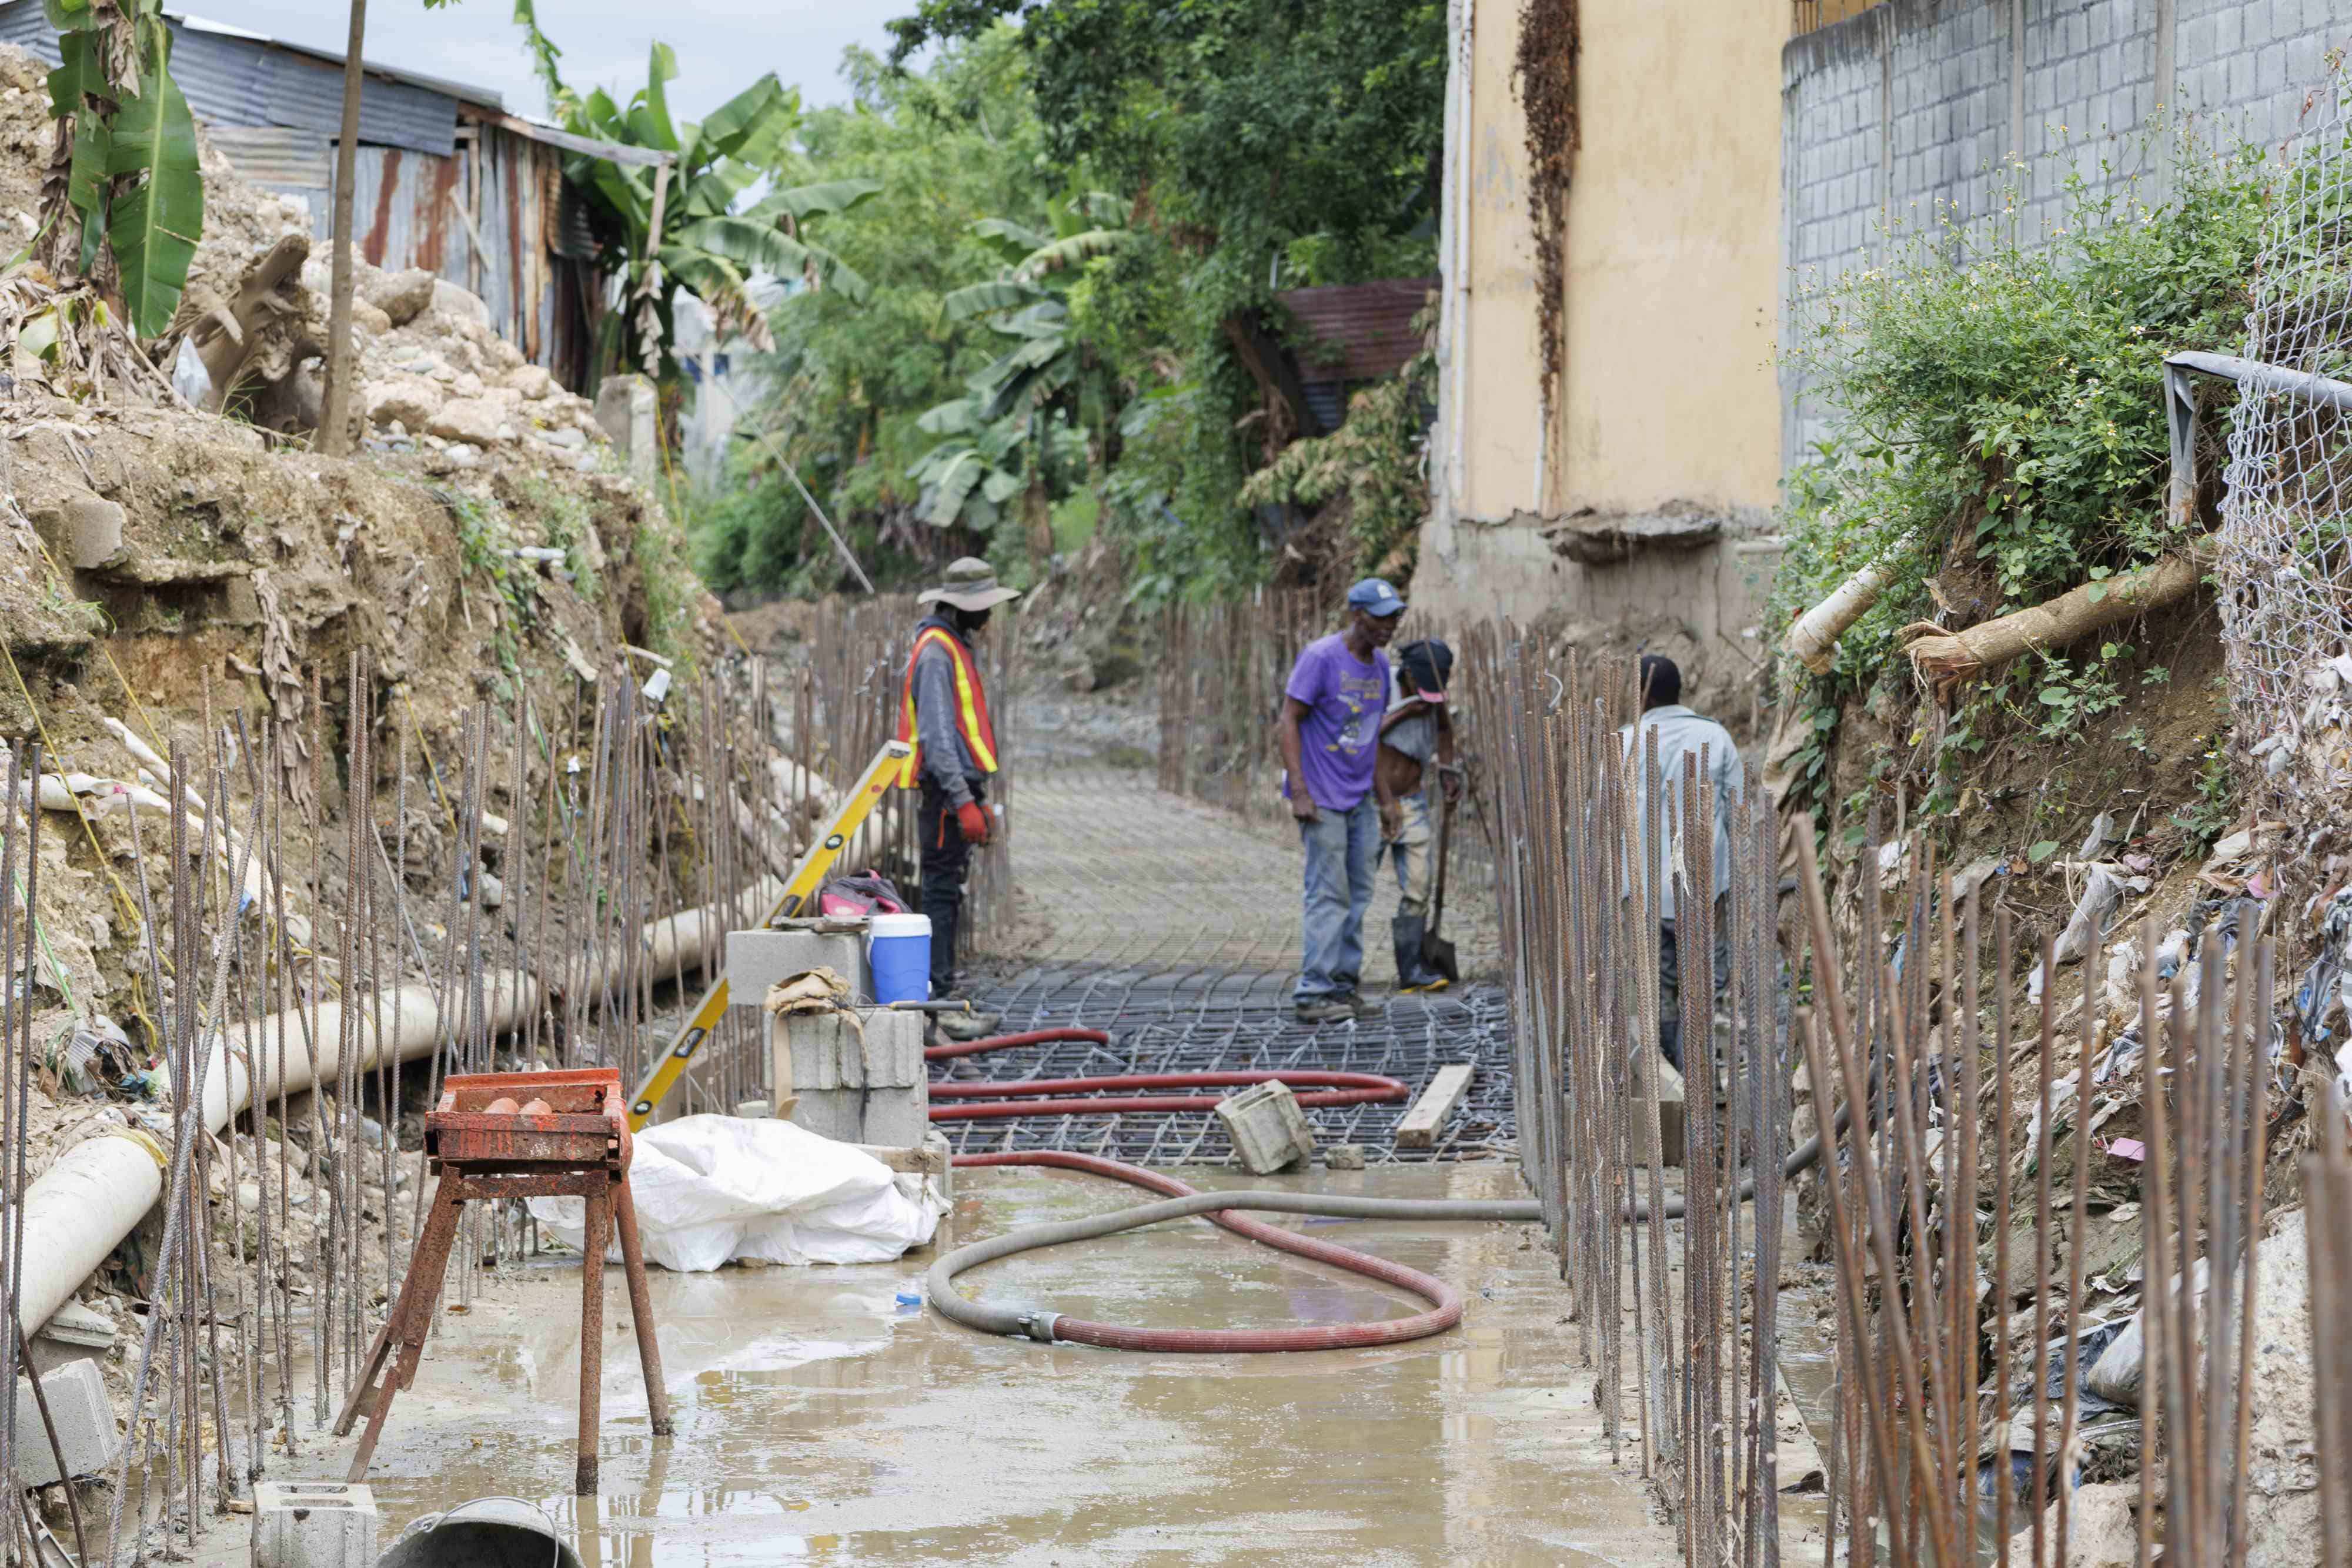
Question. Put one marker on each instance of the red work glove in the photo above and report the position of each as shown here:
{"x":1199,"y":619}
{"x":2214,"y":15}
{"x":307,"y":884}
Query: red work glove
{"x":973,"y":818}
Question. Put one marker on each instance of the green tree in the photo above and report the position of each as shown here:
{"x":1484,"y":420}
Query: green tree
{"x":951,"y":146}
{"x":711,"y":239}
{"x":1270,"y":144}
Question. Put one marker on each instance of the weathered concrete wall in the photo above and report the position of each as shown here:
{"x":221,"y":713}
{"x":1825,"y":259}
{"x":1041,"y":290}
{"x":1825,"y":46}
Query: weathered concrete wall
{"x":1672,"y":279}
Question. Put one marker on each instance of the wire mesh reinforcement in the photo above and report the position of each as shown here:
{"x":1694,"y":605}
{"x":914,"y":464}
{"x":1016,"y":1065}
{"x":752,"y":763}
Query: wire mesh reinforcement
{"x":1198,"y":1019}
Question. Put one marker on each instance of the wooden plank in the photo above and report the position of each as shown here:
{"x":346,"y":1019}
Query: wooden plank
{"x":1419,"y":1129}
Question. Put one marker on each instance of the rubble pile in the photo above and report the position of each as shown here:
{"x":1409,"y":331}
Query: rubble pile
{"x":250,"y":339}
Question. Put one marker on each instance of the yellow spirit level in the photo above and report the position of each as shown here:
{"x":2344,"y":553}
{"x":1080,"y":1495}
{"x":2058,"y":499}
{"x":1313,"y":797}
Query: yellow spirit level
{"x":800,"y":892}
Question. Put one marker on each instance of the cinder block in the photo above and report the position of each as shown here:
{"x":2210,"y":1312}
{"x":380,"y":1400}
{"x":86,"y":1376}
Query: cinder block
{"x":893,"y":1049}
{"x":859,"y":1079}
{"x":759,"y":959}
{"x":817,"y":1052}
{"x":896,"y":1118}
{"x":835,"y":1113}
{"x":1268,"y":1129}
{"x":85,"y":1425}
{"x":314,"y":1524}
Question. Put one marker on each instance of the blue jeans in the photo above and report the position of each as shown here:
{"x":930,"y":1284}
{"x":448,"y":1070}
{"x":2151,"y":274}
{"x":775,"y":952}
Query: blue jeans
{"x":1343,"y":853}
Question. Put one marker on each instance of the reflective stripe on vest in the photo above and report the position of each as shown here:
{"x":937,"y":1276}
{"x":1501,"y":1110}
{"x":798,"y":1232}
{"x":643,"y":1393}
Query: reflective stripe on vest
{"x":972,"y":708}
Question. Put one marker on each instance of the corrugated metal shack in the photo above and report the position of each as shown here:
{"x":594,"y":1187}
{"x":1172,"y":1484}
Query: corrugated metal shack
{"x":447,"y":180}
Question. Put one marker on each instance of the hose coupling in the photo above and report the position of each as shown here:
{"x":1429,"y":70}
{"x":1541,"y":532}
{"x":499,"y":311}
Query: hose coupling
{"x":1039,"y":1325}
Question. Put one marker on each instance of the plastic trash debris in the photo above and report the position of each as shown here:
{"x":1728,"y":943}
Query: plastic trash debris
{"x":189,"y":377}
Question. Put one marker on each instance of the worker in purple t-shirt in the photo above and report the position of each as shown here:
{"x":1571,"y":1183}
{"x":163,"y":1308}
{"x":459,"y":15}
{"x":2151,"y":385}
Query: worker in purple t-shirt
{"x":1330,"y":737}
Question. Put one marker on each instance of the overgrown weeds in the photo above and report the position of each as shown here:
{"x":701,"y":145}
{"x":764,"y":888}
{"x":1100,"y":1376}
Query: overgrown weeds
{"x":2000,"y":436}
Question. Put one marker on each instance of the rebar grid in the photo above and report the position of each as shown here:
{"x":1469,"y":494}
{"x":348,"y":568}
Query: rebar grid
{"x":1188,"y":1018}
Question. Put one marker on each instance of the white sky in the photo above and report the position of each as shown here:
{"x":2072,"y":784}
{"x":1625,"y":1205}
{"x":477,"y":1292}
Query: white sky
{"x":723,"y":46}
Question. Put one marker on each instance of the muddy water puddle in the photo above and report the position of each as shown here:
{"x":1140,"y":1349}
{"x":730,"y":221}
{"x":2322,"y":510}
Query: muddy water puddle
{"x":818,"y":1418}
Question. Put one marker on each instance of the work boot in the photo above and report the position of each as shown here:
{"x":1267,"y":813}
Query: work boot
{"x":967,"y":1026}
{"x":1325,"y":1010}
{"x":1407,"y":932}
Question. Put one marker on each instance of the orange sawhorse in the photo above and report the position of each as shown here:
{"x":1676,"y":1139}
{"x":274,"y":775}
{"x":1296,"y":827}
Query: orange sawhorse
{"x":521,"y":1135}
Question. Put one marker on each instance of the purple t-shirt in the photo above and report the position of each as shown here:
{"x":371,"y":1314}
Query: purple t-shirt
{"x":1340,"y":735}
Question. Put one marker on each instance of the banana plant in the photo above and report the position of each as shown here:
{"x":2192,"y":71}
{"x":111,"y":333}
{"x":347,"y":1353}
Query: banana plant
{"x":973,"y":471}
{"x":127,"y":185}
{"x":1028,"y":299}
{"x":711,"y":240}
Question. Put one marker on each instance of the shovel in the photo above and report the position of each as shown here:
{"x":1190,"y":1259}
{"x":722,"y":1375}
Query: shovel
{"x":1436,"y":952}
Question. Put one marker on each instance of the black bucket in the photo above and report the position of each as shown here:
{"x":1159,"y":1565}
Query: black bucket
{"x":487,"y":1532}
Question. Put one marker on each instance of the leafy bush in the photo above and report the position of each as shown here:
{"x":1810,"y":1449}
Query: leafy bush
{"x":1999,"y":412}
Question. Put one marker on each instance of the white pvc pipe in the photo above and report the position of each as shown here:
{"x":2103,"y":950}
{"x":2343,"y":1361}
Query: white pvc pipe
{"x":84,"y":1205}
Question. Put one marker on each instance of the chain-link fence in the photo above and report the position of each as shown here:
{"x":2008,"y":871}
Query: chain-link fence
{"x":2285,"y":563}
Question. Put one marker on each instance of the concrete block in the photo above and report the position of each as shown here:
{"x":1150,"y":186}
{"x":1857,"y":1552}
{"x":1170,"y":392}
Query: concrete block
{"x":757,"y":960}
{"x":835,"y":1113}
{"x":1268,"y":1129}
{"x":753,"y":1110}
{"x":85,"y":1425}
{"x":860,"y":1081}
{"x":314,"y":1524}
{"x":813,"y":1052}
{"x":893,"y":1049}
{"x":896,"y":1118}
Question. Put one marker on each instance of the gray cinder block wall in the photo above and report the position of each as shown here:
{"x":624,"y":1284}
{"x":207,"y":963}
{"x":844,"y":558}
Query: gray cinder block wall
{"x":1909,"y":111}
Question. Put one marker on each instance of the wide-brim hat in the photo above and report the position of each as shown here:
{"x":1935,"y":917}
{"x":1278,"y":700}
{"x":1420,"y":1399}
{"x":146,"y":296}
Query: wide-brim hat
{"x":969,"y":584}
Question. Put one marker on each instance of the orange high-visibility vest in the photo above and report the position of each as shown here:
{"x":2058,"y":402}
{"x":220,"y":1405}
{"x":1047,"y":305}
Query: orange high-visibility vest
{"x":972,"y":706}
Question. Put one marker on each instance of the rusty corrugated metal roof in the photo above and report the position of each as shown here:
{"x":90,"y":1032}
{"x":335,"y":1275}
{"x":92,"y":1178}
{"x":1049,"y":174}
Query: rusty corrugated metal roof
{"x":281,"y":158}
{"x":1355,"y":332}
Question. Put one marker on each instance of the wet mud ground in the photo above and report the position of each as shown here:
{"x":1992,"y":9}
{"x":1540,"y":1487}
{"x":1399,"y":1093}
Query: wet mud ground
{"x":819,"y":1420}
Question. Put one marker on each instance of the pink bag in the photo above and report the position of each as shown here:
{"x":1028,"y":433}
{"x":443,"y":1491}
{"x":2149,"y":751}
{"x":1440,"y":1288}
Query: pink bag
{"x":856,"y":896}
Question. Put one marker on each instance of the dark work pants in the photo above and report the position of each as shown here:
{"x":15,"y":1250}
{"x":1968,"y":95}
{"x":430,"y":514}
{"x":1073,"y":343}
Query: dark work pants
{"x":945,"y":859}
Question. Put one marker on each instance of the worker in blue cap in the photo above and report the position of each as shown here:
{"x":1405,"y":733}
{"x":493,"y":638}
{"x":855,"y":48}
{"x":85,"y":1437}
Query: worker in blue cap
{"x":1330,"y":733}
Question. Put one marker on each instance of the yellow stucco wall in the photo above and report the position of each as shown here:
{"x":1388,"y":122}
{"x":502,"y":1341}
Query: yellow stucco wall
{"x":1496,"y":344}
{"x":1673,"y":259}
{"x":1672,"y":301}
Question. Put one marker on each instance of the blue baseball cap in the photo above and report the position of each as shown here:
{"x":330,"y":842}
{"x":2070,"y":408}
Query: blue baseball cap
{"x":1375,"y":597}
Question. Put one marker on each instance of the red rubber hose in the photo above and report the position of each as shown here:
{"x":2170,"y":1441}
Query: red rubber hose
{"x":1003,"y":1041}
{"x":1089,"y":1096}
{"x":1445,"y":1301}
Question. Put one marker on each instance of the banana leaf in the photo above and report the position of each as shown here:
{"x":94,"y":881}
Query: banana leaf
{"x":154,"y":227}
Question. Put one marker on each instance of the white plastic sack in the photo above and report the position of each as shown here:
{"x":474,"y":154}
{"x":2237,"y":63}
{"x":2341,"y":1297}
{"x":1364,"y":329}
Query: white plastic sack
{"x":711,"y":1190}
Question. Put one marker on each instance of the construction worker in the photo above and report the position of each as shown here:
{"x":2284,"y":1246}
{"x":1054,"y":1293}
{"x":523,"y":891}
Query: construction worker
{"x":1328,"y":732}
{"x":1683,"y":737}
{"x":1416,"y":734}
{"x":944,"y":711}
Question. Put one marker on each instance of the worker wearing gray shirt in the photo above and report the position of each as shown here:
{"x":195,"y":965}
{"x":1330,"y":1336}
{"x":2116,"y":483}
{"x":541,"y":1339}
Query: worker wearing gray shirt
{"x":1685,"y":739}
{"x":943,"y":710}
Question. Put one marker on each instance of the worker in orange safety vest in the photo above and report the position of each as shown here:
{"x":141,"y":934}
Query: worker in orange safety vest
{"x":943,"y":710}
